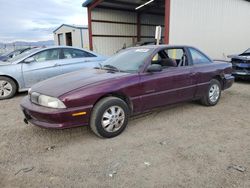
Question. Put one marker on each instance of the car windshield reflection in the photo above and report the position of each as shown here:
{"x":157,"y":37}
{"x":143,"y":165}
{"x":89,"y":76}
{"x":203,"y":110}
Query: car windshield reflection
{"x":129,"y":60}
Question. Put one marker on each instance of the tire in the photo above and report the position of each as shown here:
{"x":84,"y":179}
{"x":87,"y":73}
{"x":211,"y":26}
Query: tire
{"x":8,"y":88}
{"x":213,"y":93}
{"x":107,"y":117}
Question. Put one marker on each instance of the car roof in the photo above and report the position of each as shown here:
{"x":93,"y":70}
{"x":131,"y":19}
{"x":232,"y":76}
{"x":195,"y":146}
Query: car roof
{"x":161,"y":46}
{"x":40,"y":49}
{"x":67,"y":47}
{"x":53,"y":47}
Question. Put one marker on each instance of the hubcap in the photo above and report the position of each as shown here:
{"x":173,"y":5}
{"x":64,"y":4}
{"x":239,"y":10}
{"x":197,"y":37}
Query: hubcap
{"x":214,"y":93}
{"x":5,"y":88}
{"x":113,"y":119}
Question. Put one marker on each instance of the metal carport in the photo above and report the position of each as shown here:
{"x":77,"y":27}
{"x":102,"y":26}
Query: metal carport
{"x":115,"y":23}
{"x":219,"y":28}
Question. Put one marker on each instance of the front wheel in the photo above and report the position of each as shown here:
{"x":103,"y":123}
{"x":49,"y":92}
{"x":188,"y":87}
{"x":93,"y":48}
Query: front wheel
{"x":213,"y":94}
{"x":8,"y":88}
{"x":109,"y":117}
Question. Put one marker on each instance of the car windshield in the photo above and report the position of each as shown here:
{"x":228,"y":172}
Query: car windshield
{"x":7,"y":53}
{"x":247,"y":51}
{"x":129,"y":60}
{"x":23,"y":55}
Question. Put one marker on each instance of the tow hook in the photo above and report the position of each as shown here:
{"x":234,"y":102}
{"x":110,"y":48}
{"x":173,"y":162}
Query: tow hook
{"x":25,"y":121}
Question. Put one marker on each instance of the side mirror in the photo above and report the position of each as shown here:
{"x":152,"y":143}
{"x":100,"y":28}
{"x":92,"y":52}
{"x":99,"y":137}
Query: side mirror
{"x":154,"y":68}
{"x":29,"y":60}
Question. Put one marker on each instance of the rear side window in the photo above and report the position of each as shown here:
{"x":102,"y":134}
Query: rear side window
{"x":198,"y":58}
{"x":73,"y":53}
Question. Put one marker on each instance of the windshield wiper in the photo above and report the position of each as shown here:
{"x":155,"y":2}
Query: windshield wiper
{"x":111,"y":67}
{"x":100,"y":66}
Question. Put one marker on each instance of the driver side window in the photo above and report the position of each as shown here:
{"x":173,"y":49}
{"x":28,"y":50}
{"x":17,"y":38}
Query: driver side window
{"x":47,"y":55}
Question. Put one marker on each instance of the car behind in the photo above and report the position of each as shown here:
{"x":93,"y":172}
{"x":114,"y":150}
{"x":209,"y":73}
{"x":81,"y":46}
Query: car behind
{"x":241,"y":65}
{"x":5,"y":57}
{"x":21,"y":72}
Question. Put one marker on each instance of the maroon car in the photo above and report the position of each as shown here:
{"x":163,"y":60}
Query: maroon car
{"x":131,"y":82}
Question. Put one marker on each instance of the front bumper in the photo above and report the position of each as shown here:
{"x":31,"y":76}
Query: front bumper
{"x":241,"y":70}
{"x":54,"y":118}
{"x":241,"y":74}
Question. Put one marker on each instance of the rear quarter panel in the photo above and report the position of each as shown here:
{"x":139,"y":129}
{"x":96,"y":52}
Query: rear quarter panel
{"x":206,"y":72}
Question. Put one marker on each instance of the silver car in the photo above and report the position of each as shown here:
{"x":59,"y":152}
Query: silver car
{"x":21,"y":72}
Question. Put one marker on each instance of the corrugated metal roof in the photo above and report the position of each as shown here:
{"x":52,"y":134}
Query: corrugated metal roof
{"x":87,"y":2}
{"x":129,"y":5}
{"x":73,"y":26}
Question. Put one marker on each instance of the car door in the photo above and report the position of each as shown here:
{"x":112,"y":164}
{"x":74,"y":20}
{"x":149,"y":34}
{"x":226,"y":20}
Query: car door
{"x":173,"y":84}
{"x":44,"y":66}
{"x":203,"y":71}
{"x":75,"y":59}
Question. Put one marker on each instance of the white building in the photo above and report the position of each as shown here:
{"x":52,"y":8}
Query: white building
{"x":72,"y":35}
{"x":217,"y":27}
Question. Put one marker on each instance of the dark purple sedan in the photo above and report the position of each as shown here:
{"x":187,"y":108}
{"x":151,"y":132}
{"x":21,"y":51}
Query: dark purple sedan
{"x":131,"y":82}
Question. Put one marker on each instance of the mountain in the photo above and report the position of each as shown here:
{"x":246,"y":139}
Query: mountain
{"x":24,"y":43}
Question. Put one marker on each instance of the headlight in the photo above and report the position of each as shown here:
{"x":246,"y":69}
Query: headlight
{"x":46,"y":101}
{"x":51,"y":102}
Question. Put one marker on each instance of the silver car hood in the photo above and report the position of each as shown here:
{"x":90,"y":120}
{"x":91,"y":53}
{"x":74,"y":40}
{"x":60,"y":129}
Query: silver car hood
{"x":4,"y":63}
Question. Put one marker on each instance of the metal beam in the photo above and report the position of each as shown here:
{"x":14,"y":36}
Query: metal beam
{"x":138,"y":27}
{"x":167,"y":21}
{"x":90,"y":8}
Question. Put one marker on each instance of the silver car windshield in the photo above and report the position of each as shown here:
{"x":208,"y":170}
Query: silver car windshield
{"x":247,"y":51}
{"x":23,"y":55}
{"x":7,"y":53}
{"x":129,"y":60}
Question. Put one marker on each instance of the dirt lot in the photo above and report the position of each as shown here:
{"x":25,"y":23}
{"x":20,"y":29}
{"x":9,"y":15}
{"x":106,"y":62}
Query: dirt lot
{"x":185,"y":146}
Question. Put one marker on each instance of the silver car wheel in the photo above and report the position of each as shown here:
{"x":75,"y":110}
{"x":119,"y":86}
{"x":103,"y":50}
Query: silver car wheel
{"x":5,"y":88}
{"x":113,"y":119}
{"x":214,"y":93}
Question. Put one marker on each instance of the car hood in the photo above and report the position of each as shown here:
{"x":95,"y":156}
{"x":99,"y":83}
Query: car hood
{"x":2,"y":63}
{"x":63,"y":84}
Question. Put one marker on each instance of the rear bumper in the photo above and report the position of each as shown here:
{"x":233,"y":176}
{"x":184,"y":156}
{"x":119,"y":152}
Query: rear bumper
{"x":228,"y":81}
{"x":54,"y":118}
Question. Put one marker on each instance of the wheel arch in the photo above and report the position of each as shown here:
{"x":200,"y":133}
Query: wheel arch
{"x":119,"y":95}
{"x":220,"y":79}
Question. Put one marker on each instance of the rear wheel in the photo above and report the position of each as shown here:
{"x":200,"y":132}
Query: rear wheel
{"x":8,"y":88}
{"x":109,"y":117}
{"x":213,"y":93}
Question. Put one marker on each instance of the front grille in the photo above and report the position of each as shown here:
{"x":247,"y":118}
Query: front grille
{"x":27,"y":116}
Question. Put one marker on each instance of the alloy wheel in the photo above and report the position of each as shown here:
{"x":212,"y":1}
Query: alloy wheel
{"x":5,"y":88}
{"x":113,"y":119}
{"x":214,"y":93}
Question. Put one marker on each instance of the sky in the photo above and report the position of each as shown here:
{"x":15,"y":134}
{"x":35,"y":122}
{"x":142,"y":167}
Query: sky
{"x":35,"y":20}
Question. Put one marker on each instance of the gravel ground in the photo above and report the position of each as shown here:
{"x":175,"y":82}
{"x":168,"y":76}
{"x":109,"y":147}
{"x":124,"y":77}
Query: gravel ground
{"x":187,"y":145}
